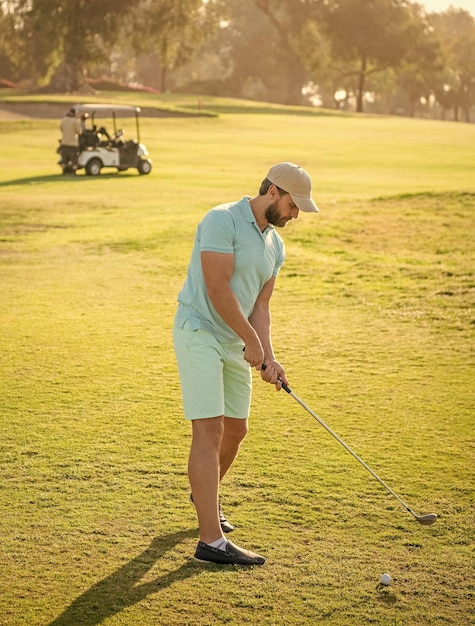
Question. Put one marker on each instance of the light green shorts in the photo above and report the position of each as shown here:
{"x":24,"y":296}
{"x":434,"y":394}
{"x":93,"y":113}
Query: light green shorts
{"x":215,"y":378}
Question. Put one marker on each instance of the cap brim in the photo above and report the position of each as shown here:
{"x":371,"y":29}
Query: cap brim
{"x":305,"y":204}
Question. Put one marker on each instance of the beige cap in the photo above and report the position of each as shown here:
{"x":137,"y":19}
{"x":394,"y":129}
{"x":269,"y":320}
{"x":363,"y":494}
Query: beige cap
{"x":295,"y":181}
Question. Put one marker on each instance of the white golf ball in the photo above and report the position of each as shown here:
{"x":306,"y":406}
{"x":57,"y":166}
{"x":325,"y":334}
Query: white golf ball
{"x":385,"y":579}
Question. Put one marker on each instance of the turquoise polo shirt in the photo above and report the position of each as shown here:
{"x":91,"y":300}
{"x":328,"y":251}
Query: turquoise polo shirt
{"x":258,"y":256}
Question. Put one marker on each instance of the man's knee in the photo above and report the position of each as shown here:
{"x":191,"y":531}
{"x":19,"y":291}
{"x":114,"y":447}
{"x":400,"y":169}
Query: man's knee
{"x":235,"y":429}
{"x":209,"y":431}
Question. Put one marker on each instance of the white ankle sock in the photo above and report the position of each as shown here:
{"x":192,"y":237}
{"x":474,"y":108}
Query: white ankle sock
{"x":219,"y":543}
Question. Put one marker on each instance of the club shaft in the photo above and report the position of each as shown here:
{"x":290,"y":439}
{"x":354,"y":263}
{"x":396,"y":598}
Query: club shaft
{"x":347,"y":447}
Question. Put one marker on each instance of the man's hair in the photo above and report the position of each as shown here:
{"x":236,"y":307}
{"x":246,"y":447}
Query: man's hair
{"x":264,"y":188}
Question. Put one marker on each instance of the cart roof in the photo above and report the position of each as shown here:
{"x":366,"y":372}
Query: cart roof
{"x":106,"y":110}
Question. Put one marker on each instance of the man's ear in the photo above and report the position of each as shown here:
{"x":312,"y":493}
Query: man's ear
{"x":273,"y":191}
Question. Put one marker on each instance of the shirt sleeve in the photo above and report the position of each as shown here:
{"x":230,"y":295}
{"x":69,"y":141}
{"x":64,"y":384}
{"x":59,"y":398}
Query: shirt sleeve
{"x":217,"y":233}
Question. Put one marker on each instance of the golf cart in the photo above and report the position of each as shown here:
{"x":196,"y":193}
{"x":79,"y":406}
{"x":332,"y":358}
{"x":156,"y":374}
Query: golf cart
{"x":98,"y":148}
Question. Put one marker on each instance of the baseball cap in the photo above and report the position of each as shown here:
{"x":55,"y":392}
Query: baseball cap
{"x":295,"y":181}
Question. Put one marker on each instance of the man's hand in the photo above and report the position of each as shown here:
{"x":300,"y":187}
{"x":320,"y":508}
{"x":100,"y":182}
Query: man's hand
{"x":273,"y":373}
{"x":253,"y":353}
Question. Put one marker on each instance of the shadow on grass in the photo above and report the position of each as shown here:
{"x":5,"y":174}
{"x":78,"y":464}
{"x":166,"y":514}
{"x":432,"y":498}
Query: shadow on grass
{"x":122,"y":589}
{"x":386,"y":598}
{"x":38,"y":180}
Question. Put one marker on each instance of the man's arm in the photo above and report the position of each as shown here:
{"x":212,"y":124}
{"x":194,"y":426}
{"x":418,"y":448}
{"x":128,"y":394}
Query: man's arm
{"x":260,"y":320}
{"x":217,"y":272}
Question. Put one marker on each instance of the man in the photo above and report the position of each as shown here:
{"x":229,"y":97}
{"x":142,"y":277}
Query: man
{"x":70,"y":130}
{"x":222,"y":328}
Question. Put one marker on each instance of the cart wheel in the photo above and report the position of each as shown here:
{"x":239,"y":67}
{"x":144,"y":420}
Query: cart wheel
{"x":144,"y":166}
{"x":93,"y":167}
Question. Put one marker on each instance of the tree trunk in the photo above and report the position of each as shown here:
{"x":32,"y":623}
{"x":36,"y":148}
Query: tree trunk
{"x":361,"y":82}
{"x":66,"y":78}
{"x":163,"y":78}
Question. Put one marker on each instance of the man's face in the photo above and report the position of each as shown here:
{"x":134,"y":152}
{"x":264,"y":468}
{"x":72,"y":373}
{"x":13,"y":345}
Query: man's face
{"x":281,"y":211}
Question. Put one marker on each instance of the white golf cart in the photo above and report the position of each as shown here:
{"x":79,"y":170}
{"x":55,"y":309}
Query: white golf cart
{"x":99,"y":148}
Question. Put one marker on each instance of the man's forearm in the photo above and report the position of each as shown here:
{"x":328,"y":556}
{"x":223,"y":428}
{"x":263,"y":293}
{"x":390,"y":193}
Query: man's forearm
{"x":260,"y":320}
{"x":227,"y":306}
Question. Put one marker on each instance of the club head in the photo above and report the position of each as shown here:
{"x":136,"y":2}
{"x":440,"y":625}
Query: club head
{"x":426,"y":520}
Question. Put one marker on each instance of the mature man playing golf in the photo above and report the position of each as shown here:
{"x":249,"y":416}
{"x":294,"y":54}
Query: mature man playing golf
{"x":222,"y":328}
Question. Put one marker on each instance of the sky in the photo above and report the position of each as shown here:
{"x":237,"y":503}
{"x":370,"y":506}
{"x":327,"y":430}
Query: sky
{"x":443,"y":5}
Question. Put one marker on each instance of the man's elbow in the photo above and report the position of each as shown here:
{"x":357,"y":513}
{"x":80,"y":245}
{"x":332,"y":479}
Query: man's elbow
{"x":215,"y":294}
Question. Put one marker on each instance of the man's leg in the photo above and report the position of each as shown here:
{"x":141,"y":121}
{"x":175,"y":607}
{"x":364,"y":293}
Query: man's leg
{"x":212,"y":451}
{"x":206,"y":435}
{"x":203,"y":473}
{"x":234,"y":432}
{"x":74,"y":158}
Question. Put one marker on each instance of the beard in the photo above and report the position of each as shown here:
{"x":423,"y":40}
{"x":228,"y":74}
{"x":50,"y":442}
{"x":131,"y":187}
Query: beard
{"x":273,"y":215}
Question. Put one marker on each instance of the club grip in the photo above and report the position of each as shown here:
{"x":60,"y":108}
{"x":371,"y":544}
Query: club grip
{"x":284,"y":386}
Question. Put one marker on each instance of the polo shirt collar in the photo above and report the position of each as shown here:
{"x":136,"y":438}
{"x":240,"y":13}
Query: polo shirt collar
{"x":248,"y":215}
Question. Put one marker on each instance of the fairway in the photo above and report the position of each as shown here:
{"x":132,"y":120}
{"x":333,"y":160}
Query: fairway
{"x":372,"y":318}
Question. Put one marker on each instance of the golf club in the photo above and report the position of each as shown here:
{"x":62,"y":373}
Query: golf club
{"x":426,"y":520}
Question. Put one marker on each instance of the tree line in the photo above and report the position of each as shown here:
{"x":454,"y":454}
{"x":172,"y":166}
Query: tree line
{"x":383,"y":56}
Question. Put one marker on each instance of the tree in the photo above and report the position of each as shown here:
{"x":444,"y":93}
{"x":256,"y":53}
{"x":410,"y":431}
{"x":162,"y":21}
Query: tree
{"x":172,"y":31}
{"x":249,"y":49}
{"x":245,"y":58}
{"x":259,"y":49}
{"x":455,"y":89}
{"x":417,"y":72}
{"x":375,"y":34}
{"x":8,"y":66}
{"x":57,"y":39}
{"x":290,"y":19}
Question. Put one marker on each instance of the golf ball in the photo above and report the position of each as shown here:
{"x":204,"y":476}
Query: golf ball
{"x":385,"y":579}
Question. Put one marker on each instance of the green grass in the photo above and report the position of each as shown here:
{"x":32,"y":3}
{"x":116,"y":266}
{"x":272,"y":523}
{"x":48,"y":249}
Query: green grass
{"x":372,"y":317}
